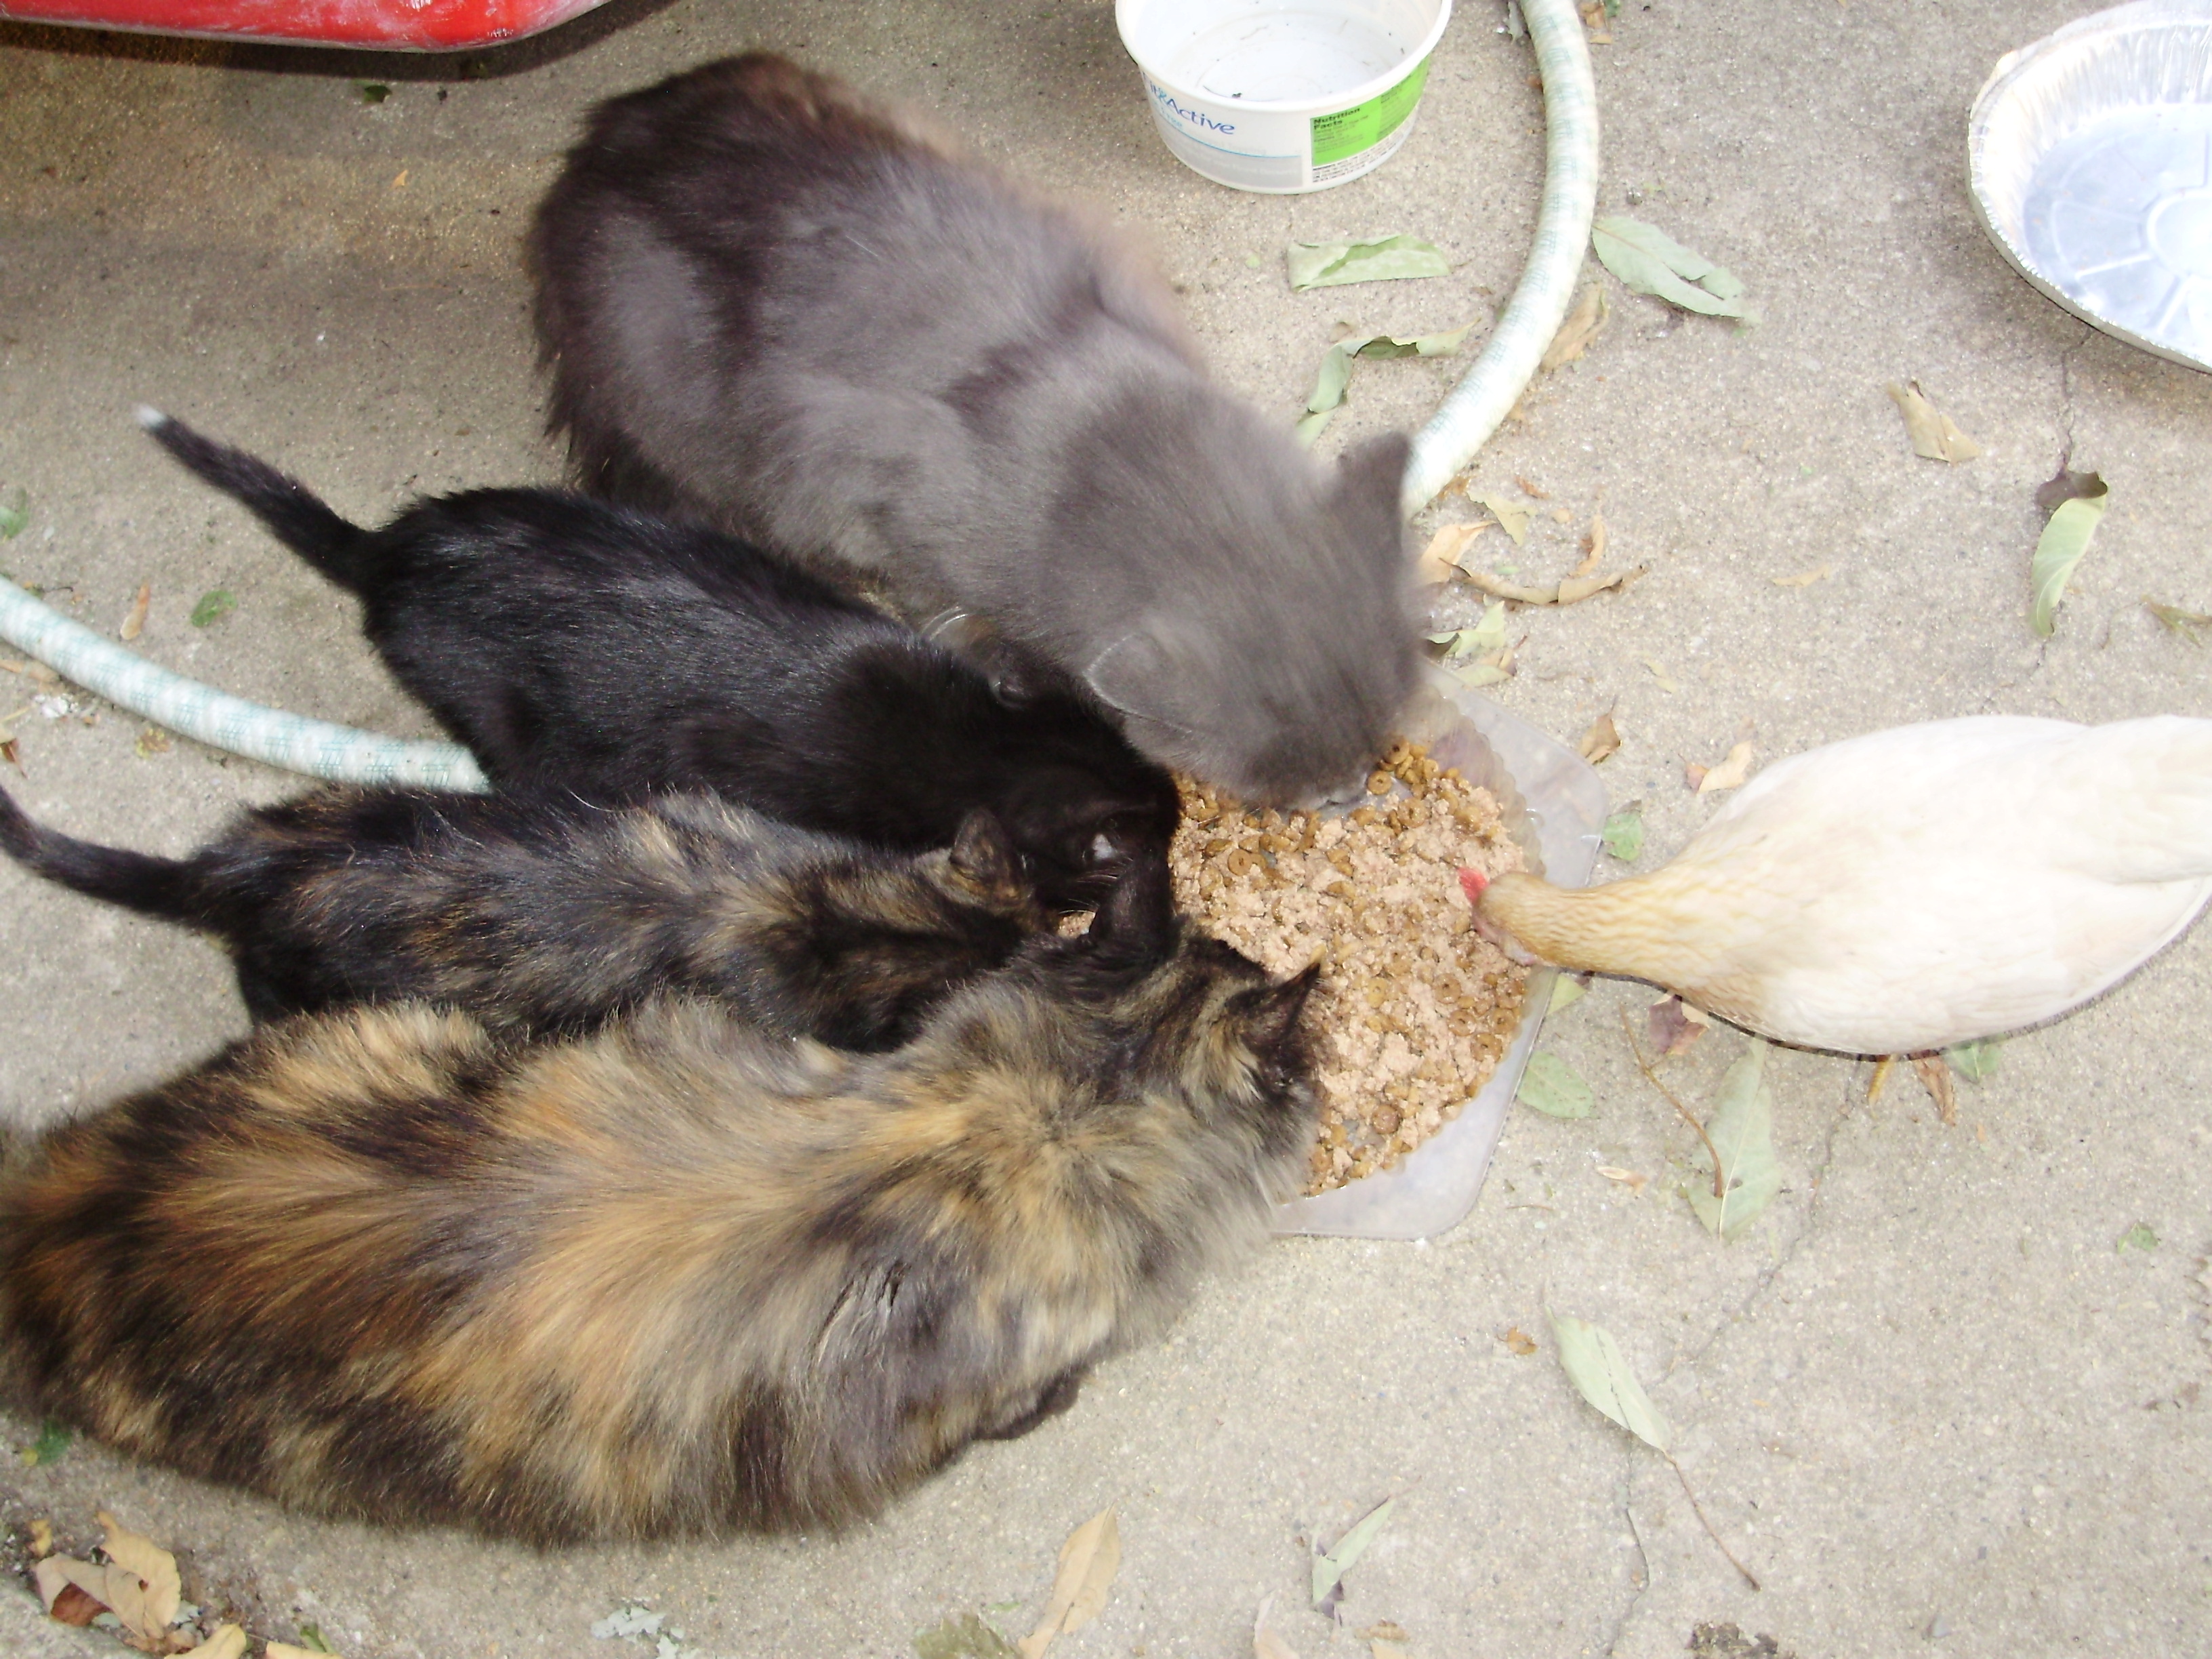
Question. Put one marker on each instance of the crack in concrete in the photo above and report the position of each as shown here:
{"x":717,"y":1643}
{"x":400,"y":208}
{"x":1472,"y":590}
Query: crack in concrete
{"x":1624,"y":1496}
{"x":1807,"y":1227}
{"x":2066,"y":396}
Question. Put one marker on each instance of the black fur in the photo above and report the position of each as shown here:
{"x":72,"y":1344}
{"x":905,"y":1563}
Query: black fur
{"x":542,"y":918}
{"x":586,"y":650}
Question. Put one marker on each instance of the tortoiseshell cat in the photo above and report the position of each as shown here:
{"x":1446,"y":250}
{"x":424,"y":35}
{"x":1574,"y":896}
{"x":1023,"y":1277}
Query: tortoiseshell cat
{"x":583,"y":650}
{"x":676,"y":1277}
{"x":776,"y":305}
{"x":544,"y":916}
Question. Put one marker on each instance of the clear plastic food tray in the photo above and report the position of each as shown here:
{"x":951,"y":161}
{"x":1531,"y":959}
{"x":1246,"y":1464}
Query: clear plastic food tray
{"x":1554,"y":807}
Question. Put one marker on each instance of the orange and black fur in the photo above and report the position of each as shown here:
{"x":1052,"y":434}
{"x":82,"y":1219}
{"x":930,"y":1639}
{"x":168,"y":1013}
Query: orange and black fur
{"x":676,"y":1277}
{"x":547,"y":917}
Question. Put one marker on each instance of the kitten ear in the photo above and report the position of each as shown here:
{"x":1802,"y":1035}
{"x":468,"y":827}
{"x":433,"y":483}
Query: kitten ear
{"x":1128,"y":674}
{"x":1266,"y":1018}
{"x":1136,"y":924}
{"x":1368,"y":479}
{"x":984,"y":856}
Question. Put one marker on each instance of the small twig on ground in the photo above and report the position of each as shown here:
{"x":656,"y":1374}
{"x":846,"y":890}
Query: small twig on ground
{"x":1698,"y":1509}
{"x":1720,"y":1181}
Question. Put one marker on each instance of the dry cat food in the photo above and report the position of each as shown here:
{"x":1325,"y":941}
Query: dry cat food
{"x":1414,"y":1006}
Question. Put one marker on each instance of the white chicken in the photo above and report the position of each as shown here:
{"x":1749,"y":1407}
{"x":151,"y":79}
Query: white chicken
{"x":1910,"y":888}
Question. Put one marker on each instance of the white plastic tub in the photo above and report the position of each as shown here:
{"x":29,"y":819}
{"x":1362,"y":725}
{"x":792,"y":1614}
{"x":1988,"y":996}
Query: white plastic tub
{"x":1554,"y":806}
{"x":1282,"y":96}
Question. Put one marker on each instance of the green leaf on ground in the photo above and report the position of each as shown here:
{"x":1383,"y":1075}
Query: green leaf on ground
{"x":1335,"y":372}
{"x":15,"y":514}
{"x":1977,"y":1060}
{"x":965,"y":1636}
{"x":1379,"y":259}
{"x":1551,"y":1086}
{"x":1329,"y":1570}
{"x":213,"y":605}
{"x":2138,"y":1237}
{"x":2187,"y":624}
{"x":1741,"y":1129}
{"x":1595,"y":1365}
{"x":1481,"y":639}
{"x":52,"y":1442}
{"x":1650,"y":261}
{"x":1567,"y":990}
{"x":2059,"y":549}
{"x":1623,"y":836}
{"x":312,"y":1639}
{"x":372,"y":91}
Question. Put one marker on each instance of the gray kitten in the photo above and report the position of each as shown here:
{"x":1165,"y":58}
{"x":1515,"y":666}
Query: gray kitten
{"x":772,"y":305}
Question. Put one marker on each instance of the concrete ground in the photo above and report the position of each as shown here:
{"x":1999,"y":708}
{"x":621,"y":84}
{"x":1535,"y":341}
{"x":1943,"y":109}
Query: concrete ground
{"x":1928,"y":1399}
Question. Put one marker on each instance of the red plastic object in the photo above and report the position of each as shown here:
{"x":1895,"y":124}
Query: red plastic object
{"x":390,"y":25}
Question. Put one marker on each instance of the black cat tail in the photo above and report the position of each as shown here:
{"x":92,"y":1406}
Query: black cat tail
{"x":298,"y":518}
{"x":137,"y":881}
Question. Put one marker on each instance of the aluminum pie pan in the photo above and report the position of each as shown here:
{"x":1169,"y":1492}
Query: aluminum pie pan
{"x":2090,"y":153}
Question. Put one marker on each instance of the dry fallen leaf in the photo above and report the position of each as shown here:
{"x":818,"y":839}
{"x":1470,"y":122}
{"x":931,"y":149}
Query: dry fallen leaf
{"x":1594,"y":20}
{"x":228,"y":1642}
{"x":1381,"y":1647}
{"x":1636,"y":1183}
{"x":1564,"y":593}
{"x":1385,"y":1630}
{"x":57,"y":1576}
{"x":1575,"y":588}
{"x":1675,"y":1024}
{"x":2186,"y":623}
{"x":135,"y":622}
{"x":1666,"y":681}
{"x":1931,"y":431}
{"x":1439,"y":560}
{"x":1266,"y":1644}
{"x":73,"y":1606}
{"x":1534,"y":491}
{"x":1517,"y":1340}
{"x":1593,"y":546}
{"x":1580,"y":331}
{"x":1603,"y":738}
{"x":1805,"y":578}
{"x":1936,"y":1076}
{"x":1088,"y":1561}
{"x":1729,"y":774}
{"x":1512,"y":519}
{"x":144,"y":1588}
{"x":42,"y":1537}
{"x":286,"y":1650}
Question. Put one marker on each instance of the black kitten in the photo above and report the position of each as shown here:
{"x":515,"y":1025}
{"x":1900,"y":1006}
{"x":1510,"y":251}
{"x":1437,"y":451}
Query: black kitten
{"x":587,"y":650}
{"x":545,"y":917}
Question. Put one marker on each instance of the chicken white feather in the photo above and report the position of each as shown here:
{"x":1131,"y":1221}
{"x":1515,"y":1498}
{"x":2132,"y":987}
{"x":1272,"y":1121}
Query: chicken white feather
{"x":1910,"y":888}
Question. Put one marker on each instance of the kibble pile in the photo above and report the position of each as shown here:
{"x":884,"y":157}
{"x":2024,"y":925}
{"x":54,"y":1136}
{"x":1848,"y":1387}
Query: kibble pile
{"x":1414,"y":1007}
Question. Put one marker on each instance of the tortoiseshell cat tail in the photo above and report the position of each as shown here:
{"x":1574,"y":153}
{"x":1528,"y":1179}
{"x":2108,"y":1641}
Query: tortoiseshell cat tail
{"x":678,"y":1277}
